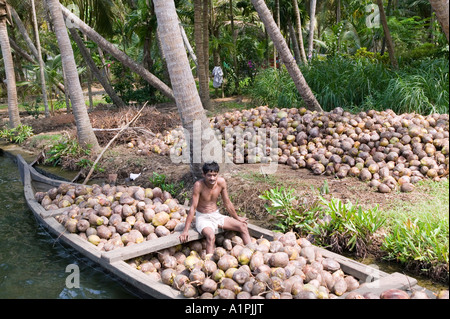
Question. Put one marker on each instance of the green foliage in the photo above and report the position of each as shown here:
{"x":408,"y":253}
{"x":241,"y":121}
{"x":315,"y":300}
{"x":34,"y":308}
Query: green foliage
{"x":332,"y":223}
{"x":159,"y":180}
{"x":64,"y":148}
{"x":17,"y":135}
{"x":361,"y":83}
{"x":372,"y":56}
{"x":345,"y":226}
{"x":416,"y":241}
{"x":32,"y":108}
{"x":288,"y":210}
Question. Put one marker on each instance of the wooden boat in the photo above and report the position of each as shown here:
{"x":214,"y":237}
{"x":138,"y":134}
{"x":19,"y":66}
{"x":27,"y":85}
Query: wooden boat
{"x":114,"y":261}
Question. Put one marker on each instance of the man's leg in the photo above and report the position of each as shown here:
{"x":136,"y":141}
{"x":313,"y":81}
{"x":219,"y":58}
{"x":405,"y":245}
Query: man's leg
{"x":210,"y":237}
{"x":236,"y":225}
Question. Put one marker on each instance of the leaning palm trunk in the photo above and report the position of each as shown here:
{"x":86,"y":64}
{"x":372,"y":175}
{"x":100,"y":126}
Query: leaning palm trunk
{"x":119,"y":55}
{"x":286,"y":56}
{"x":86,"y":136}
{"x":13,"y":109}
{"x":188,"y":101}
{"x":88,"y":59}
{"x":41,"y":62}
{"x":440,"y":7}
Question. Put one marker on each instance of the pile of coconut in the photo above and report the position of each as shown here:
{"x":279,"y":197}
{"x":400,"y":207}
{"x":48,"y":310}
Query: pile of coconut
{"x":114,"y":216}
{"x":387,"y":150}
{"x":283,"y":268}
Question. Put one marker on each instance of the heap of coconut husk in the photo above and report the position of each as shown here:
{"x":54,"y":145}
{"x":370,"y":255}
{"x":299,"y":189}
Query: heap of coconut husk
{"x":286,"y":267}
{"x":387,"y":150}
{"x":111,"y":217}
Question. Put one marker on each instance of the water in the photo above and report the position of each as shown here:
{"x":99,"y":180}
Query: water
{"x":32,"y":264}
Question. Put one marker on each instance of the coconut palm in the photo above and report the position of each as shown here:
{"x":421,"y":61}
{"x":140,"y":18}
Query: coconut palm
{"x":440,"y":7}
{"x":298,"y":25}
{"x":286,"y":56}
{"x":13,"y":109}
{"x":312,"y":26}
{"x":387,"y":34}
{"x":86,"y":136}
{"x":41,"y":62}
{"x":116,"y":53}
{"x":188,"y":101}
{"x":201,"y":36}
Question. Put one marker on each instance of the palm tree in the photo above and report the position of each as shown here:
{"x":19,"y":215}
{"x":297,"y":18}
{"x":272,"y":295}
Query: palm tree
{"x":286,"y":56}
{"x":116,"y":53}
{"x":13,"y":109}
{"x":41,"y":62}
{"x":387,"y":34}
{"x":93,"y":67}
{"x":201,"y":44}
{"x":188,"y":101}
{"x":86,"y":136}
{"x":312,"y":26}
{"x":440,"y":7}
{"x":298,"y":25}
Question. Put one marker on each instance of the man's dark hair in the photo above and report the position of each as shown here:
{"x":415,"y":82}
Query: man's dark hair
{"x":210,"y":167}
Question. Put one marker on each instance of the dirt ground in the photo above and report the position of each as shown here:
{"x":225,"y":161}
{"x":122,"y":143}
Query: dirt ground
{"x":245,"y":181}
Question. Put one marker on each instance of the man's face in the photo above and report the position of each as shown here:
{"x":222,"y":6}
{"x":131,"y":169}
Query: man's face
{"x":211,"y":177}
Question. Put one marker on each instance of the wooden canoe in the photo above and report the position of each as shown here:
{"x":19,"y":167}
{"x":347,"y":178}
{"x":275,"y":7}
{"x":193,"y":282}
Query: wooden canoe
{"x":114,"y":261}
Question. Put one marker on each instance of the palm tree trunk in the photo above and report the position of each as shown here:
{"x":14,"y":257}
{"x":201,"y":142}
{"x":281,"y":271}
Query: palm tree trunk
{"x":440,"y":7}
{"x":91,"y":64}
{"x":188,"y":101}
{"x":205,"y":81}
{"x":312,"y":26}
{"x":199,"y":34}
{"x":303,"y":89}
{"x":387,"y":34}
{"x":119,"y":55}
{"x":13,"y":109}
{"x":298,"y":24}
{"x":85,"y":133}
{"x":41,"y":62}
{"x":296,"y":49}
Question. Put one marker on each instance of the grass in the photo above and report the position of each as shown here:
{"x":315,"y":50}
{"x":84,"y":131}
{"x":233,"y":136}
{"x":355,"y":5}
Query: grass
{"x":360,"y":84}
{"x":418,"y":233}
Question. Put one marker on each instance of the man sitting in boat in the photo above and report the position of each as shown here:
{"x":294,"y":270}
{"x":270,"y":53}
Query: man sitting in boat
{"x":207,"y":216}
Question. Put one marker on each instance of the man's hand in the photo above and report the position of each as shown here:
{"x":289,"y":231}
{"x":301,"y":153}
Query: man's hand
{"x":242,"y":219}
{"x":184,"y":236}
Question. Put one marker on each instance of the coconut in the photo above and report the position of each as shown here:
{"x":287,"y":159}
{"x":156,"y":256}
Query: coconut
{"x":394,"y":294}
{"x":279,"y":259}
{"x":104,"y":232}
{"x":94,"y":239}
{"x":160,"y":219}
{"x":227,"y":261}
{"x":209,"y":285}
{"x":162,"y":231}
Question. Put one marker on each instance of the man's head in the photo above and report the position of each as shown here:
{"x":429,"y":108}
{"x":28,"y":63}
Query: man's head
{"x":210,"y":172}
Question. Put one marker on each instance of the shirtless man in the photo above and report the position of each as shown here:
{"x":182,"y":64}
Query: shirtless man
{"x":207,"y":215}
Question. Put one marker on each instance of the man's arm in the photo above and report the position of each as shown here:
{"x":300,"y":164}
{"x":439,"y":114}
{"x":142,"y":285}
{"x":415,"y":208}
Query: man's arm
{"x":228,"y":204}
{"x":195,"y":198}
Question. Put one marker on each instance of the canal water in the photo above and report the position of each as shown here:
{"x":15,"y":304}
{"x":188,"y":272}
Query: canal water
{"x":33,"y":264}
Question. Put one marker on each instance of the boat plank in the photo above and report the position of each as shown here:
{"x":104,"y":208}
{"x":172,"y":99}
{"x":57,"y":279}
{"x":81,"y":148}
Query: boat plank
{"x":142,"y":281}
{"x":393,"y":281}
